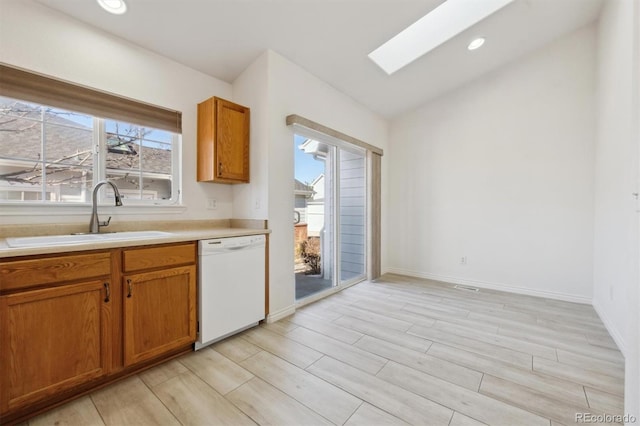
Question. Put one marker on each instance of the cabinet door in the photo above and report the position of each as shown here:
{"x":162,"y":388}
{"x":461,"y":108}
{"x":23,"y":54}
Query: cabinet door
{"x":159,"y":312}
{"x":53,"y":340}
{"x":231,"y":142}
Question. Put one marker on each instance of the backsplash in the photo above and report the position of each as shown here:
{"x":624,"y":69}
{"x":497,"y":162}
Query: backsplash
{"x":8,"y":231}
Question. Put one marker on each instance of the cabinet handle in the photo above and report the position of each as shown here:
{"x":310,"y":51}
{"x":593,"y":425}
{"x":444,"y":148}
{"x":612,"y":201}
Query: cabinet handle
{"x":220,"y":168}
{"x":108,"y":289}
{"x":130,"y":288}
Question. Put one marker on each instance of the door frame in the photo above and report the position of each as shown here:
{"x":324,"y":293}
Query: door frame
{"x":338,"y":145}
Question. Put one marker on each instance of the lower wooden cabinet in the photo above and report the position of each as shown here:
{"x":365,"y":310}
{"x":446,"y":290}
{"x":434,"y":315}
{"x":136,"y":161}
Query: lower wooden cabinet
{"x":159,"y":312}
{"x":73,"y":321}
{"x":52,"y":340}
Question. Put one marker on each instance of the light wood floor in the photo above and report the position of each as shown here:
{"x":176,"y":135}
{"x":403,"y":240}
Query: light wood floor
{"x":397,"y":351}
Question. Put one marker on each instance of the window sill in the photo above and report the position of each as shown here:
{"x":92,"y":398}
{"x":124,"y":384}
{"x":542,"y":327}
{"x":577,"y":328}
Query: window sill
{"x":45,"y":209}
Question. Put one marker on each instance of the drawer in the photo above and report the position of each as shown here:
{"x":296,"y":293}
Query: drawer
{"x":158,"y":257}
{"x":35,"y":272}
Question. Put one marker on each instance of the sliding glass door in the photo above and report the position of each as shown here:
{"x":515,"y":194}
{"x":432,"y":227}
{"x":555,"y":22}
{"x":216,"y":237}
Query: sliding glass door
{"x":330,"y":215}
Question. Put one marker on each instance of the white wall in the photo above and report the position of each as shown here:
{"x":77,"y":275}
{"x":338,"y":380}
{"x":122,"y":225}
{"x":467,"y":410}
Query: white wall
{"x":40,"y":39}
{"x":251,"y":89}
{"x":500,"y":171}
{"x":290,"y":90}
{"x":616,"y":241}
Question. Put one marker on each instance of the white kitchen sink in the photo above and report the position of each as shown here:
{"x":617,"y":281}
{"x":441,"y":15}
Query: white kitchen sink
{"x":133,"y":235}
{"x":55,"y":240}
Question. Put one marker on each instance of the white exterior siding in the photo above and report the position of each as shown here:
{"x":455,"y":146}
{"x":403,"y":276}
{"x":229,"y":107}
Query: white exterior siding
{"x":352,"y":214}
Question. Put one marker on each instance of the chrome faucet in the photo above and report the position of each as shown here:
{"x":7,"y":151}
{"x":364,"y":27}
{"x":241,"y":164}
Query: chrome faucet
{"x":95,"y":224}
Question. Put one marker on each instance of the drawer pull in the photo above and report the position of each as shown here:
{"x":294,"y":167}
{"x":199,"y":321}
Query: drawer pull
{"x":108,"y":290}
{"x":130,"y":287}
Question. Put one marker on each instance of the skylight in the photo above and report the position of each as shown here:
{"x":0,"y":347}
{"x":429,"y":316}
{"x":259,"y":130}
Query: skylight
{"x":438,"y":26}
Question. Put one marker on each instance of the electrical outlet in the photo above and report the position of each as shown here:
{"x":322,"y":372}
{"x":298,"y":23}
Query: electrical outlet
{"x":463,"y":260}
{"x":212,"y":204}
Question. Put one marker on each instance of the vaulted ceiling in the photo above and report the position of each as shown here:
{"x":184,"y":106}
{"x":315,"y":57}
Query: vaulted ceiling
{"x":331,"y":39}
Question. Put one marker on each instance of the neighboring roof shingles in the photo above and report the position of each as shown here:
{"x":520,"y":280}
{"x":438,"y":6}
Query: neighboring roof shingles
{"x":299,"y":186}
{"x":302,"y":189}
{"x":68,"y":143}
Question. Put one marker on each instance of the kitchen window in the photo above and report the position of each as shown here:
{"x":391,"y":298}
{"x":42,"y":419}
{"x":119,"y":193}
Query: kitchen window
{"x":57,"y":139}
{"x":54,"y":155}
{"x":141,"y":161}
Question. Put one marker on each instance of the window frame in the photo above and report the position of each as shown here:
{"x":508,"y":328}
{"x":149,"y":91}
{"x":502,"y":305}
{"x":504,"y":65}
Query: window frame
{"x":100,"y":171}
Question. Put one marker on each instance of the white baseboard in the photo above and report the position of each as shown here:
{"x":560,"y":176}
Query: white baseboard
{"x":494,"y":286}
{"x":613,"y":332}
{"x":278,"y":315}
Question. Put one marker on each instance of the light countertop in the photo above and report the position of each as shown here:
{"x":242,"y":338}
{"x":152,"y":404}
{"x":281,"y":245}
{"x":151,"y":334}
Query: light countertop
{"x":174,"y":236}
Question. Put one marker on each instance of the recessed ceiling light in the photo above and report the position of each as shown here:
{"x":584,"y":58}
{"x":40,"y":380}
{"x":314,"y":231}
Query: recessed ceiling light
{"x":117,"y":7}
{"x":435,"y":28}
{"x":476,"y":43}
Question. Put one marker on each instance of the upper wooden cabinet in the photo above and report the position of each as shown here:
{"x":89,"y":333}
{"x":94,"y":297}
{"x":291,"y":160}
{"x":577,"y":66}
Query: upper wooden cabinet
{"x":223,"y":142}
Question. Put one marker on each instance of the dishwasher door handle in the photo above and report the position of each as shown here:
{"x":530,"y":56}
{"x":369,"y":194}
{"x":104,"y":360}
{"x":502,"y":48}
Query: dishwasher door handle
{"x":238,"y":247}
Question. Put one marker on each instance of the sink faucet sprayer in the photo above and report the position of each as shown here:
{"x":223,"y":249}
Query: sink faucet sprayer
{"x":95,"y":224}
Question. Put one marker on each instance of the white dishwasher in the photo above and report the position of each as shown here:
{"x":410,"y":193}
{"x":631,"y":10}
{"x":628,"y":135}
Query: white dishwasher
{"x":231,"y":273}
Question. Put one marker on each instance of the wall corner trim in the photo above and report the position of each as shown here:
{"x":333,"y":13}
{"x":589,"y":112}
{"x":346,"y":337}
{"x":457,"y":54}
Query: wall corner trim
{"x":615,"y":334}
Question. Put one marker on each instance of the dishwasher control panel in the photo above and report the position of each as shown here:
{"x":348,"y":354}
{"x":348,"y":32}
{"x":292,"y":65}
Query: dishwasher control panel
{"x":231,"y":242}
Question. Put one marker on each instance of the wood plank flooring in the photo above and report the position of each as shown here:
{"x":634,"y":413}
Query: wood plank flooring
{"x":395,"y":352}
